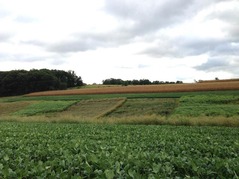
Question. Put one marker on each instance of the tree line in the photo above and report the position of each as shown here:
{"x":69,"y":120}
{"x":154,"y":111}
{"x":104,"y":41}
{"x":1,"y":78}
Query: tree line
{"x":113,"y":81}
{"x":17,"y":82}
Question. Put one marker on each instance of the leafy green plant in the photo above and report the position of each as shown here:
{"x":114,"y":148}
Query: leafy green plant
{"x":47,"y":150}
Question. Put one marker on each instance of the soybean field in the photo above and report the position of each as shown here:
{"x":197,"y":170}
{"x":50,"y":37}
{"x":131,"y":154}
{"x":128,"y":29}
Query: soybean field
{"x":60,"y":150}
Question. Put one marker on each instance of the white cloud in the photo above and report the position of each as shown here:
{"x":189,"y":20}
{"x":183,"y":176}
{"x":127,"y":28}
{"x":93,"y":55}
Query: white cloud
{"x":99,"y":39}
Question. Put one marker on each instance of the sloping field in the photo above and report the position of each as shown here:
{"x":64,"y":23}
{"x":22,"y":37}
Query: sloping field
{"x":8,"y":108}
{"x":215,"y":86}
{"x":145,"y":107}
{"x":210,"y":109}
{"x":44,"y":107}
{"x":94,"y":108}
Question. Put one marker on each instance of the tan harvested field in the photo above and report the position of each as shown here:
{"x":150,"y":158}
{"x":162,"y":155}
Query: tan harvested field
{"x":188,"y":87}
{"x":218,"y":81}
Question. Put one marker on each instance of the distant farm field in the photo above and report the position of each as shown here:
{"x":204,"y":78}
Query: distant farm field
{"x":217,"y":108}
{"x":215,"y":86}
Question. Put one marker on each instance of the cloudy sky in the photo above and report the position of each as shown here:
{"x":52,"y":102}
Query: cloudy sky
{"x":129,"y":39}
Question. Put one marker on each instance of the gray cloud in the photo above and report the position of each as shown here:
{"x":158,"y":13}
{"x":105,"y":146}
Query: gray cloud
{"x":212,"y":46}
{"x":214,"y":64}
{"x":3,"y":12}
{"x":162,"y":49}
{"x":141,"y":19}
{"x":3,"y":56}
{"x":24,"y":19}
{"x":22,"y":57}
{"x":72,"y":46}
{"x":146,"y":17}
{"x":143,"y":66}
{"x":35,"y":43}
{"x":231,"y":18}
{"x":226,"y":64}
{"x":183,"y":46}
{"x":89,"y":41}
{"x":79,"y":43}
{"x":26,"y":58}
{"x":4,"y":36}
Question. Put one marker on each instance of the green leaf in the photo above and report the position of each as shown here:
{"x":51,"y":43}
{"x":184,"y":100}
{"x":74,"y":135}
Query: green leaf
{"x":6,"y":158}
{"x":131,"y":173}
{"x":156,"y":168}
{"x":1,"y":166}
{"x":93,"y":158}
{"x":117,"y":167}
{"x":109,"y":174}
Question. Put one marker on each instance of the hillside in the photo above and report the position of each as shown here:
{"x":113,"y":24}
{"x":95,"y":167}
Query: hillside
{"x":190,"y":87}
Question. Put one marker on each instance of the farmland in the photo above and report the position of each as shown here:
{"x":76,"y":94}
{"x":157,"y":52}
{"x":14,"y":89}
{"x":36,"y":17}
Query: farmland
{"x":187,"y":134}
{"x":49,"y":150}
{"x":218,"y":108}
{"x":215,"y":86}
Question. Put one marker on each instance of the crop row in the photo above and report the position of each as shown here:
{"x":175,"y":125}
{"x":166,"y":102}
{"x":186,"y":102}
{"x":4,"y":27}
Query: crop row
{"x":46,"y":150}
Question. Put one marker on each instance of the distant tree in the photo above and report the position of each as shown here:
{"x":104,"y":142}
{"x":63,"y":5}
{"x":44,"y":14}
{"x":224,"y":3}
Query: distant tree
{"x":18,"y":82}
{"x":144,"y":82}
{"x":113,"y":81}
{"x":42,"y":80}
{"x":156,"y":82}
{"x":14,"y":83}
{"x":135,"y":82}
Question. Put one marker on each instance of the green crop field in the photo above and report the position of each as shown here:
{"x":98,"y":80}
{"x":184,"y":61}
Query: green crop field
{"x":209,"y":105}
{"x":44,"y":107}
{"x":86,"y":136}
{"x":48,"y":150}
{"x":197,"y":108}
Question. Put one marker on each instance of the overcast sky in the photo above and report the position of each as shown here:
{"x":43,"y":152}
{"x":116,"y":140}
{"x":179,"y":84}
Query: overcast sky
{"x":164,"y":40}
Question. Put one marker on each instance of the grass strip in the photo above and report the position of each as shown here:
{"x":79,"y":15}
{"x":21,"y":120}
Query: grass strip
{"x":44,"y":107}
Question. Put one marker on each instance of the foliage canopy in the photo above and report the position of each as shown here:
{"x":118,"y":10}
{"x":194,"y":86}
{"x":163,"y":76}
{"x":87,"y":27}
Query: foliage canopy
{"x":19,"y":82}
